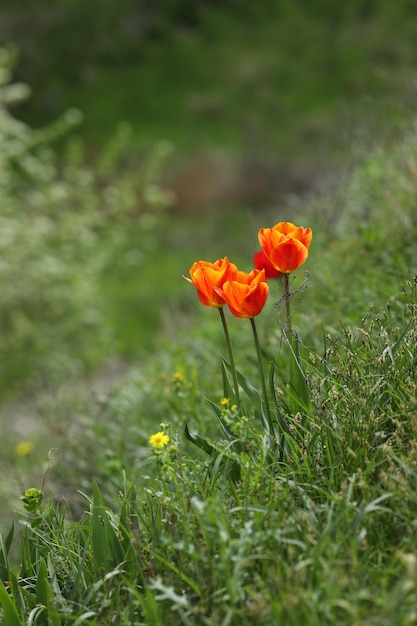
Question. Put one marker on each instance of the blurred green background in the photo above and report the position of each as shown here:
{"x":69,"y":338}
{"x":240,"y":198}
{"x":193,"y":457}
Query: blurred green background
{"x":156,"y":133}
{"x":265,"y":82}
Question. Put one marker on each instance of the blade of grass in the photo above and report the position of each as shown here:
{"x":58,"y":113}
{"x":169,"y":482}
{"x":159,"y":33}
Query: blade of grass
{"x":99,"y":529}
{"x":10,"y":613}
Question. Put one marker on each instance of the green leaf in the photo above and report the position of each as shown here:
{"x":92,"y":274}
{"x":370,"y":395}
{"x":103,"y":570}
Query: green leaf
{"x":4,"y":554}
{"x":250,"y":390}
{"x":41,"y":584}
{"x":230,"y":466}
{"x":10,"y":613}
{"x":19,"y":594}
{"x":187,"y":579}
{"x":300,"y":399}
{"x":99,"y":527}
{"x":45,"y":596}
{"x":216,"y":410}
{"x":198,"y":441}
{"x":391,"y":351}
{"x":9,"y":538}
{"x":124,"y":521}
{"x":227,"y":431}
{"x":228,"y":391}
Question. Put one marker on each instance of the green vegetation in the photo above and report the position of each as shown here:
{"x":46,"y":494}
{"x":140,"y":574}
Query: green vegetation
{"x":272,"y":76}
{"x":64,"y":228}
{"x":321,"y":533}
{"x":105,"y":521}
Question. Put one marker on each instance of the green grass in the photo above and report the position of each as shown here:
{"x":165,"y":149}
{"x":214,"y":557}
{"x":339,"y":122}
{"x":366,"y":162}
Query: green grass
{"x":318,"y":529}
{"x":325,"y":536}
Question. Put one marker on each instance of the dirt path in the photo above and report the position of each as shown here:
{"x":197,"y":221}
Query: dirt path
{"x":30,"y":418}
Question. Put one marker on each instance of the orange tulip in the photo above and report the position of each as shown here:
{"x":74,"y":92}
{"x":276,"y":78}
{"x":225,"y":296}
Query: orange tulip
{"x":246,"y":294}
{"x":261,"y":262}
{"x":208,"y":277}
{"x":285,"y":245}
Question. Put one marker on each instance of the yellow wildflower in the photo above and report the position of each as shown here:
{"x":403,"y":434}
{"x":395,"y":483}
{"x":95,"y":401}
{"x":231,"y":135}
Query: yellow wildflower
{"x":224,"y":401}
{"x":24,"y":448}
{"x":159,"y":440}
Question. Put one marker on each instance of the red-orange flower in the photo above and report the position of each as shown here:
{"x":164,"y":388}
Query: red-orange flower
{"x":261,"y":262}
{"x":246,"y":294}
{"x":285,"y":245}
{"x":208,"y":277}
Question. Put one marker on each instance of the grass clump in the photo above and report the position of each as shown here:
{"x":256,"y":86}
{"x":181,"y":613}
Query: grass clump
{"x":325,"y":535}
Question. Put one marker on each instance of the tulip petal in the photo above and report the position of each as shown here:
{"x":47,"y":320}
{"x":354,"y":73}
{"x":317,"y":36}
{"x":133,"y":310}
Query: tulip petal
{"x":246,"y":297}
{"x":289,"y":255}
{"x":285,"y":245}
{"x":261,"y":262}
{"x":206,"y":277}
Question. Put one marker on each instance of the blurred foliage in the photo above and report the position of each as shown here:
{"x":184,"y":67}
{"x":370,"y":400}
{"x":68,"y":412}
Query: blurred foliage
{"x":361,"y":269}
{"x":226,"y":72}
{"x":78,"y":31}
{"x":61,"y":223}
{"x":182,"y":541}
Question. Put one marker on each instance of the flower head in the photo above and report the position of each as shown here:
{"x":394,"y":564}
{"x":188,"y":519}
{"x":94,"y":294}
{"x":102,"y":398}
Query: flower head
{"x":246,"y":294}
{"x":24,"y":448}
{"x":261,"y":262}
{"x":285,"y":245}
{"x":159,"y":440}
{"x":32,"y":499}
{"x":208,"y":277}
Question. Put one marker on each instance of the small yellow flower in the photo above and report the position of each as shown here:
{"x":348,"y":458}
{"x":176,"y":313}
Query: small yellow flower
{"x":224,"y":401}
{"x":177,"y":376}
{"x":24,"y":448}
{"x":159,"y":440}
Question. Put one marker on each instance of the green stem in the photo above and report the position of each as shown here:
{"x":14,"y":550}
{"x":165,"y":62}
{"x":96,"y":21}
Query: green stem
{"x":231,"y":358}
{"x":287,"y":296}
{"x":262,"y":376}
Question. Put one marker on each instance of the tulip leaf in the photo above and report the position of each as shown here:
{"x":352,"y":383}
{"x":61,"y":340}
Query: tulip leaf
{"x":250,"y":390}
{"x":216,"y":410}
{"x":227,"y":387}
{"x":198,"y":441}
{"x":227,"y":431}
{"x":221,"y":461}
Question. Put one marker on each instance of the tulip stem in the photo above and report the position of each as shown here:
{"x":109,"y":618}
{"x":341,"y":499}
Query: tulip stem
{"x":287,"y":296}
{"x":231,"y":358}
{"x":262,"y":376}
